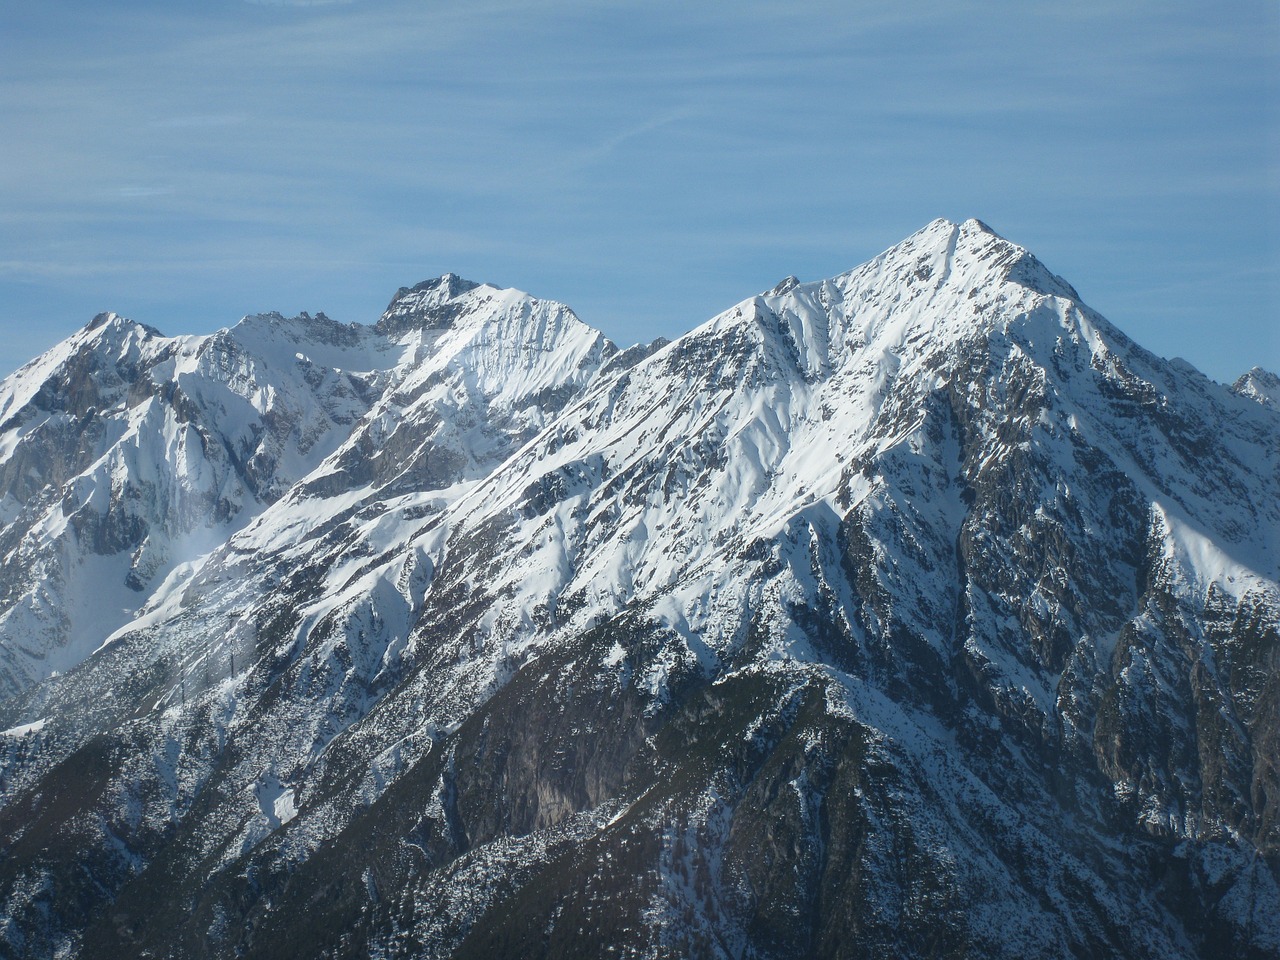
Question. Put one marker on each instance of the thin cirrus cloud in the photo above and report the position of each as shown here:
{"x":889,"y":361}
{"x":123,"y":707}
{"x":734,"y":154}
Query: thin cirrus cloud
{"x":199,"y":121}
{"x":143,"y":192}
{"x":299,"y":3}
{"x":189,"y":163}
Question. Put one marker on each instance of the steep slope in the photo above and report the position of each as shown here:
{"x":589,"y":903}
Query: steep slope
{"x":913,"y":612}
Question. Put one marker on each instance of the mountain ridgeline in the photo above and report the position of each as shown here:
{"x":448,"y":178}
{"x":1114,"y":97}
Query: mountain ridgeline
{"x":917,"y":612}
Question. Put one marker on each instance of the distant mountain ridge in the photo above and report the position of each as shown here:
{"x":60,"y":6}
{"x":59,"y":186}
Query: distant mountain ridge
{"x":917,"y":611}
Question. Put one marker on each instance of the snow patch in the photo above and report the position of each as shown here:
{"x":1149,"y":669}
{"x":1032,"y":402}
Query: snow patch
{"x":23,"y":729}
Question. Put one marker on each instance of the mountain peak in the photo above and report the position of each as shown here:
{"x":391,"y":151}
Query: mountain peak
{"x":1259,"y":384}
{"x":974,"y":224}
{"x":441,"y":288}
{"x":944,"y":283}
{"x":981,"y":255}
{"x":100,"y":320}
{"x":112,"y":320}
{"x":429,"y":305}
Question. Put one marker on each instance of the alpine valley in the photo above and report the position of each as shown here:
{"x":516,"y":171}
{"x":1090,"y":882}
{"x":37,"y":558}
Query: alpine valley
{"x":913,"y":613}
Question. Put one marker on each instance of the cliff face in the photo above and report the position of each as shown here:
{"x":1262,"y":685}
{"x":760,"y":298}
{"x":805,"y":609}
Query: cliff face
{"x":913,"y":612}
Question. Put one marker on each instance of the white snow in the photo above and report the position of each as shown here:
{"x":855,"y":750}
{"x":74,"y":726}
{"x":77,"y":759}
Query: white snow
{"x":25,"y":728}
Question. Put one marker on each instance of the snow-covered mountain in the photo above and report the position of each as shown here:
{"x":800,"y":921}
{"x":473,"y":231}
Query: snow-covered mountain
{"x":128,"y":456}
{"x":913,"y":612}
{"x":1259,"y":384}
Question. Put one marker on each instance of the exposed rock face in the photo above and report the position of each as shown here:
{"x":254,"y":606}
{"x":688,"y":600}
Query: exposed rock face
{"x":1261,"y":385}
{"x":916,"y":612}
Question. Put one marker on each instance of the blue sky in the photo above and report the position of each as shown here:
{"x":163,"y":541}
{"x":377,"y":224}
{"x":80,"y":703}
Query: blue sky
{"x":185,"y":163}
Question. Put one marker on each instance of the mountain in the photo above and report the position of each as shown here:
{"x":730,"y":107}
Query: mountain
{"x":128,"y":455}
{"x":1259,"y":384}
{"x":915,"y":612}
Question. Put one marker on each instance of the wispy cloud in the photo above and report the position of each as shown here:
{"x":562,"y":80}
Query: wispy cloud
{"x":143,"y":192}
{"x":611,"y":144}
{"x":299,"y":3}
{"x":199,"y":121}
